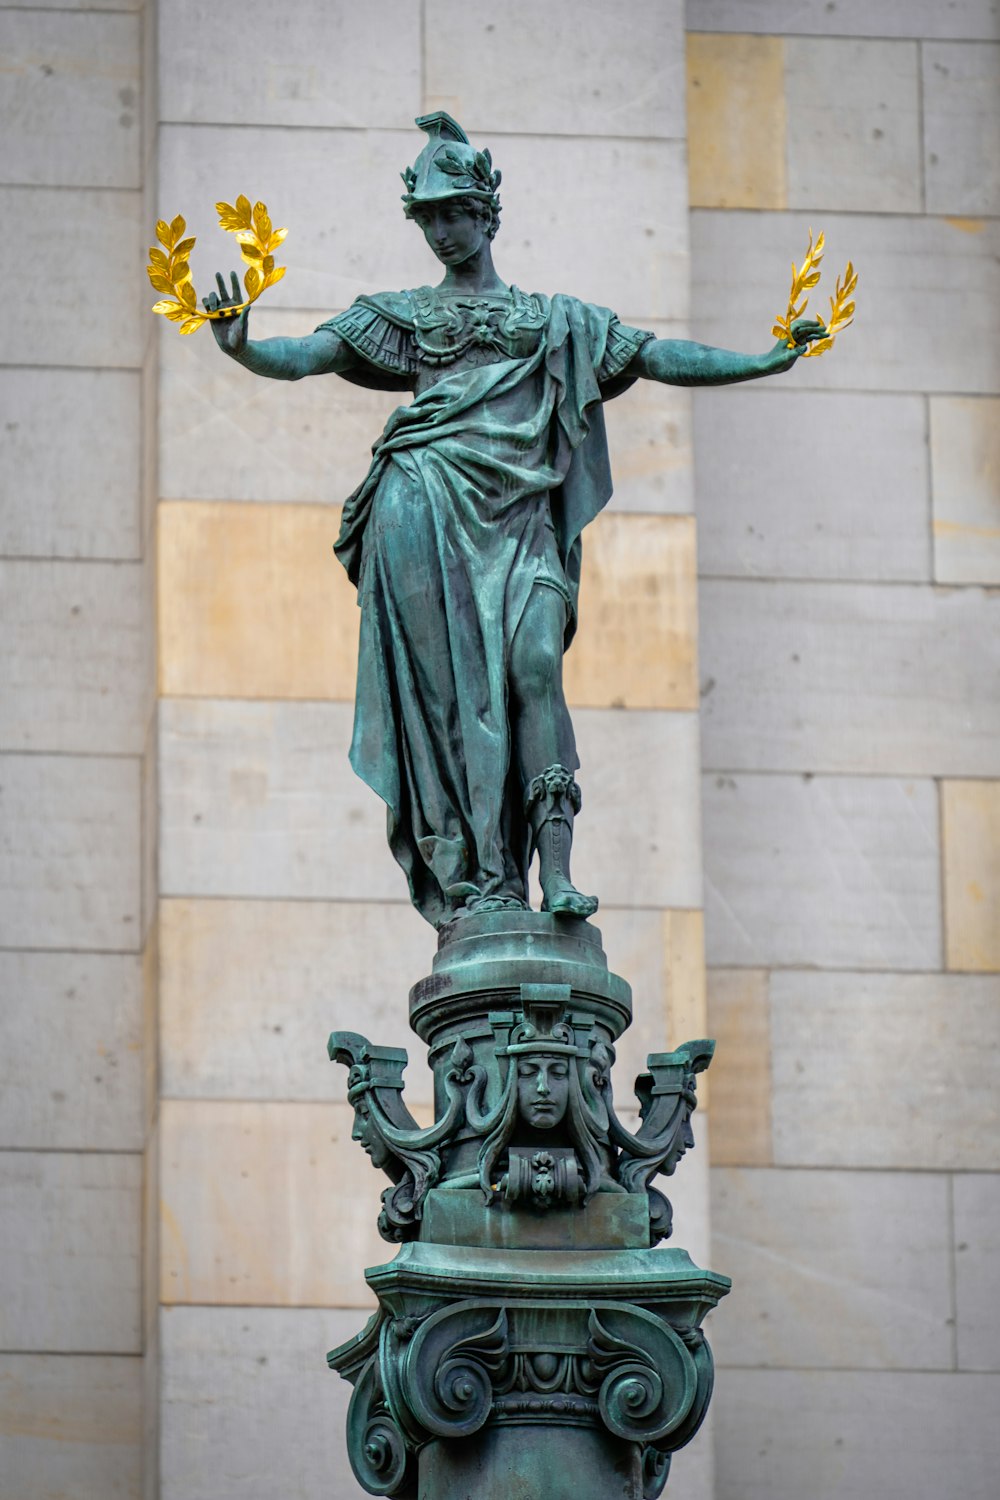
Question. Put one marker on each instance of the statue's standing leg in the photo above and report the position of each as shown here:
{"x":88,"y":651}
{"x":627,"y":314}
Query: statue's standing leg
{"x":545,"y":748}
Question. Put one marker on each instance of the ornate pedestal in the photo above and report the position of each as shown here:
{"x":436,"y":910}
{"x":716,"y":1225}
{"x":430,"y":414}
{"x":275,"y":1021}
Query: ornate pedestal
{"x":529,"y":1340}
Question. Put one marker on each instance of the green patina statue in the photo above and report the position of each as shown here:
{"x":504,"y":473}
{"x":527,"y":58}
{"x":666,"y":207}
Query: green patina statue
{"x":464,"y":538}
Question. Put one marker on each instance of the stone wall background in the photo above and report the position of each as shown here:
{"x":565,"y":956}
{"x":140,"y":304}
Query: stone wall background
{"x":193,"y":891}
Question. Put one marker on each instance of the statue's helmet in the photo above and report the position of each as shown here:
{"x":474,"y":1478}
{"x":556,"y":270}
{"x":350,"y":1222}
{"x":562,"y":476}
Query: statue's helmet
{"x":449,"y":167}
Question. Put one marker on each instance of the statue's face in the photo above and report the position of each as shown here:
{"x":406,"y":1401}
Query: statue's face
{"x":542,"y":1090}
{"x":454,"y":231}
{"x":368,"y":1138}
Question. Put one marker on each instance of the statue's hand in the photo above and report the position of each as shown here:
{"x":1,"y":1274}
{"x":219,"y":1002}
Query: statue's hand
{"x":804,"y":331}
{"x":230,"y":331}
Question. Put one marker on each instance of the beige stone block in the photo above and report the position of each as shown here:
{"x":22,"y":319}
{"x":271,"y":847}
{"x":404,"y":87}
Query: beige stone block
{"x":257,"y":1029}
{"x":258,"y":800}
{"x":637,"y":642}
{"x":972,"y":20}
{"x":837,"y":872}
{"x":70,"y":1427}
{"x":70,"y":1067}
{"x":345,"y":66}
{"x":70,"y":1238}
{"x":71,"y":674}
{"x":970,"y":818}
{"x":783,"y":1434}
{"x":948,"y":268}
{"x":803,"y":1241}
{"x":69,"y":98}
{"x":52,"y":502}
{"x":961,"y":107}
{"x":69,"y":852}
{"x":225,"y":434}
{"x":661,"y":955}
{"x":253,"y":603}
{"x":853,"y":125}
{"x":249,"y":1406}
{"x":924,"y":1046}
{"x":965,"y":472}
{"x":850,"y":677}
{"x":736,"y":121}
{"x":355,"y":238}
{"x":739,"y":1019}
{"x":650,"y":444}
{"x":977,"y":1269}
{"x":266,"y":1205}
{"x":85,"y":248}
{"x":861,"y":512}
{"x":572,"y":67}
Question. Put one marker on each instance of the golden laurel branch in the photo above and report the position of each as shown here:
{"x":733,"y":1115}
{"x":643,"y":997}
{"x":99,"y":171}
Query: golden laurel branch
{"x":169,"y":268}
{"x":803,"y":281}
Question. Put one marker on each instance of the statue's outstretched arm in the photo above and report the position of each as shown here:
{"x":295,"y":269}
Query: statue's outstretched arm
{"x":678,"y":362}
{"x":322,"y":353}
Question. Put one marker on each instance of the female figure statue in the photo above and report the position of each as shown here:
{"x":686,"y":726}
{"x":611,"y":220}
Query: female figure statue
{"x":464,"y":538}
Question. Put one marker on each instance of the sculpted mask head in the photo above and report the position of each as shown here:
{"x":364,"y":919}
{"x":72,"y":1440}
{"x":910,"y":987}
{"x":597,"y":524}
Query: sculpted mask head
{"x":542,"y":1089}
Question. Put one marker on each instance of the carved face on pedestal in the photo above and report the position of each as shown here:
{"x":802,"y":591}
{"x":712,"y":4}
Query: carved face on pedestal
{"x":368,"y":1137}
{"x":542,"y":1089}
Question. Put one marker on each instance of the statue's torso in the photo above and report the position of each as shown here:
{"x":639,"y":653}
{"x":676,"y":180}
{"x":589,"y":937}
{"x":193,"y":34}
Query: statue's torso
{"x":453,"y":332}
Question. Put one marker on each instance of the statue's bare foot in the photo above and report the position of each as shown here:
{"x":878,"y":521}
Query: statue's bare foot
{"x":562,"y":897}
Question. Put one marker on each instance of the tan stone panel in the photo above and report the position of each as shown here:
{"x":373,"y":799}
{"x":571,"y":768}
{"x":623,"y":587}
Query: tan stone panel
{"x":922,"y":1046}
{"x":803,"y":1241}
{"x":650,"y":444}
{"x":739,"y":1020}
{"x":637,"y":642}
{"x":249,"y":1408}
{"x":736,"y":121}
{"x":266,"y":1205}
{"x":965,"y":473}
{"x":971,"y":835}
{"x":257,"y":1028}
{"x":71,"y":1426}
{"x":588,"y":69}
{"x":253,"y":603}
{"x":71,"y":1230}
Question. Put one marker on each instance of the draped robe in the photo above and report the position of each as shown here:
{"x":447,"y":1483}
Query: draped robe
{"x":477,"y":493}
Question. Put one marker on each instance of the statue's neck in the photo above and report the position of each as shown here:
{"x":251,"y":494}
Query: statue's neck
{"x":474,"y":276}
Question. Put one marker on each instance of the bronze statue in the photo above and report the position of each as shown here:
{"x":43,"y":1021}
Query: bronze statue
{"x":464,"y":538}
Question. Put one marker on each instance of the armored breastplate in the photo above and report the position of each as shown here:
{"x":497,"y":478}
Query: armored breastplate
{"x":475,"y":329}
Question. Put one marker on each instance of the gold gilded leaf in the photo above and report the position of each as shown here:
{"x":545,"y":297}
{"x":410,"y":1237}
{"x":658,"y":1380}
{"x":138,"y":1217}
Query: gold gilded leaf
{"x":277,"y":238}
{"x":191,"y":325}
{"x":245,"y":211}
{"x":276,"y":275}
{"x":181,"y":271}
{"x":228,"y":217}
{"x":267,"y":265}
{"x":251,"y":254}
{"x":262,"y":222}
{"x":252,"y":282}
{"x":163,"y":307}
{"x":157,"y":257}
{"x":177,"y":228}
{"x":159,"y":282}
{"x":177,"y":313}
{"x":185,"y":247}
{"x":163,"y":233}
{"x":187,"y":294}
